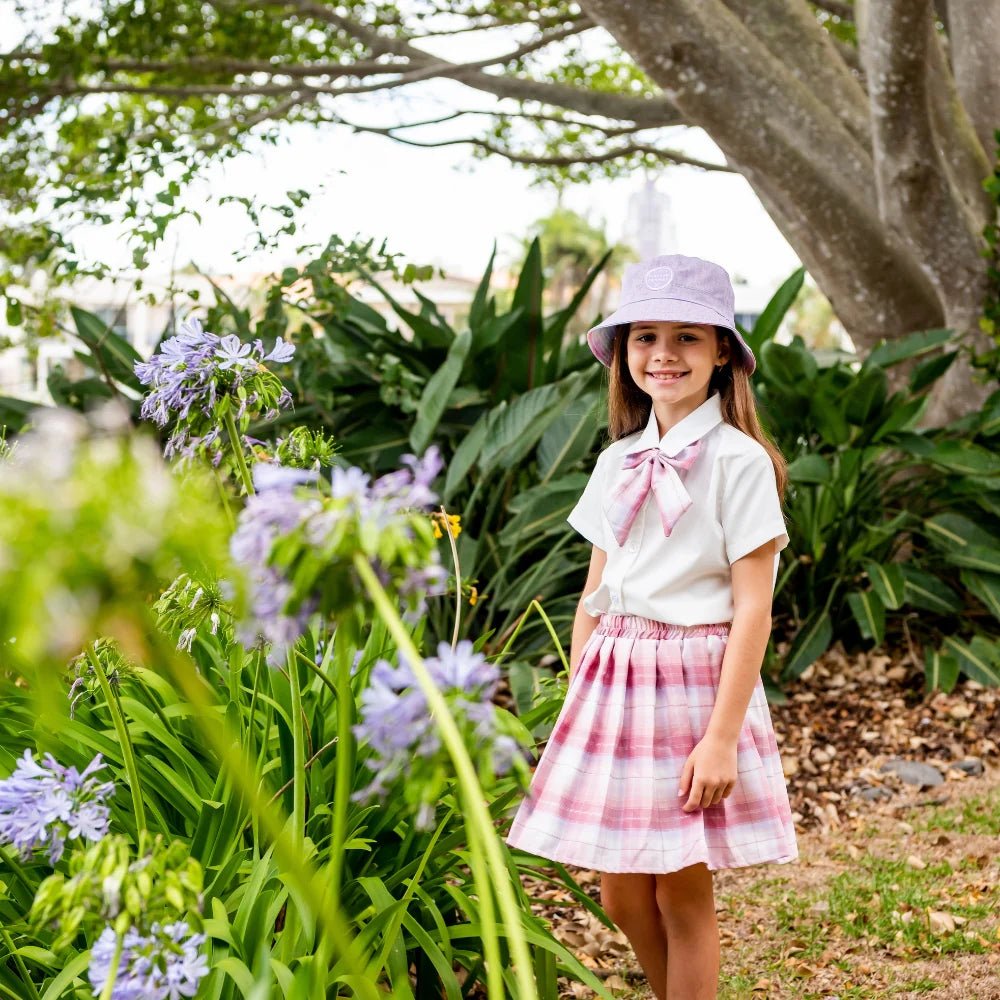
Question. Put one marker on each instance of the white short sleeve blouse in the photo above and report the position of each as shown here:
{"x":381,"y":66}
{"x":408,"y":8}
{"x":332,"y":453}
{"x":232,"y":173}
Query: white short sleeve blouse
{"x":684,"y":579}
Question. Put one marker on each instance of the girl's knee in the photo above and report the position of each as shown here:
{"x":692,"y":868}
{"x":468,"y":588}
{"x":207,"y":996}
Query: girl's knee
{"x":627,"y":897}
{"x":689,"y":888}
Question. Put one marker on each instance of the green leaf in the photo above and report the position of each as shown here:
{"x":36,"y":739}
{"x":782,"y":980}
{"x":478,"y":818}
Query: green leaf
{"x":478,"y":311}
{"x":869,"y":613}
{"x":969,"y":459}
{"x":902,"y":417}
{"x":515,"y":429}
{"x":543,"y":508}
{"x":434,"y":399}
{"x":774,"y":312}
{"x":976,"y":557}
{"x":113,"y":356}
{"x":829,"y":419}
{"x":986,"y":587}
{"x":940,"y":671}
{"x":866,"y":397}
{"x":812,"y":640}
{"x":465,"y":456}
{"x":525,"y":357}
{"x":555,"y":329}
{"x":810,"y":468}
{"x":978,"y":658}
{"x":888,"y":582}
{"x":924,"y":590}
{"x":570,"y":438}
{"x":930,"y":370}
{"x":951,"y":531}
{"x":891,"y":352}
{"x":792,"y":366}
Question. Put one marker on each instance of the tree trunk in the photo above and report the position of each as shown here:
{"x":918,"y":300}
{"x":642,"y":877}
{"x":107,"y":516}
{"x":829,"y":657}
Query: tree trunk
{"x":880,"y":193}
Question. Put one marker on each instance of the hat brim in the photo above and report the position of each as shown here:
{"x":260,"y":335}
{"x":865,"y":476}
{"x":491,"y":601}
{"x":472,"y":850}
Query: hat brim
{"x":600,"y":337}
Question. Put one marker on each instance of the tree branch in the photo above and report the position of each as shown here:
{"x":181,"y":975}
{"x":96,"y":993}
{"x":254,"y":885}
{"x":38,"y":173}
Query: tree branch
{"x":665,"y":155}
{"x":642,"y":111}
{"x":793,"y":36}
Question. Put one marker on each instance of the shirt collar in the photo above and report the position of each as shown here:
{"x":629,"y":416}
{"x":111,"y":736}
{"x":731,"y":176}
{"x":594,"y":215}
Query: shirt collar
{"x":692,"y":428}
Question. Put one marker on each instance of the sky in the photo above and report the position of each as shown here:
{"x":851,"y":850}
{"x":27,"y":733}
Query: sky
{"x":440,"y":206}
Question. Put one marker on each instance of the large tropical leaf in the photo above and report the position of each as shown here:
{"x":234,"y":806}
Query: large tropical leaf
{"x":812,"y":640}
{"x":438,"y":391}
{"x":979,"y":659}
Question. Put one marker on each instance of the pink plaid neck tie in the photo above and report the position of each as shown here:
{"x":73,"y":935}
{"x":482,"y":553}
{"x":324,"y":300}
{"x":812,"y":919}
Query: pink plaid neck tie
{"x":647,"y":470}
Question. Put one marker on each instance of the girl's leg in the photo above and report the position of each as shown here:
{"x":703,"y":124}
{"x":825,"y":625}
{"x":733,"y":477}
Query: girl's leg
{"x":630,"y":901}
{"x":687,"y":905}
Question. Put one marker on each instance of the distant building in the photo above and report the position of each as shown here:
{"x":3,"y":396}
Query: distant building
{"x":649,"y":222}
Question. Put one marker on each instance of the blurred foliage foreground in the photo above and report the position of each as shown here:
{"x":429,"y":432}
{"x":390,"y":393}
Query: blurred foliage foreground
{"x":232,"y":766}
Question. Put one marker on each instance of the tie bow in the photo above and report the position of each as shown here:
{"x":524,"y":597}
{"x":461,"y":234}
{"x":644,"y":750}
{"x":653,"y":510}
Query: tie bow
{"x":651,"y":470}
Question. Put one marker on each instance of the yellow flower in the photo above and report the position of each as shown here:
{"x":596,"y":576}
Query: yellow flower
{"x":473,"y":596}
{"x":454,"y":520}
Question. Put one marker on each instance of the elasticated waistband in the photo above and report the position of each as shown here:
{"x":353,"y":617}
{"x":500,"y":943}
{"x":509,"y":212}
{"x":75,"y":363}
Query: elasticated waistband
{"x":638,"y":627}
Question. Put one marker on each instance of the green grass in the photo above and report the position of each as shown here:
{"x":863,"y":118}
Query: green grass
{"x":980,"y":814}
{"x":855,"y":910}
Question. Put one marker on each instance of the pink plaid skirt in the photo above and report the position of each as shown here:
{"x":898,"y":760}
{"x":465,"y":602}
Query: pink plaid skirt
{"x":604,"y":794}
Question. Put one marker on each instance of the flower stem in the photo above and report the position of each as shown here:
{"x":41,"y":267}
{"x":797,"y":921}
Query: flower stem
{"x":482,"y":834}
{"x":116,"y":958}
{"x":19,"y":962}
{"x":128,"y":754}
{"x":342,"y":645}
{"x":298,"y":756}
{"x":241,"y":461}
{"x":458,"y":577}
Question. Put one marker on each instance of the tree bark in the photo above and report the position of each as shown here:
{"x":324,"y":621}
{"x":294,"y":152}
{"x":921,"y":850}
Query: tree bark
{"x":807,"y":164}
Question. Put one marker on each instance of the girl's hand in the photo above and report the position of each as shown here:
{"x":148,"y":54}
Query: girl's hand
{"x":709,"y":773}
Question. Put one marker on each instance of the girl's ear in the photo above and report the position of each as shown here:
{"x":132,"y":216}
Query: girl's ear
{"x":725,"y":345}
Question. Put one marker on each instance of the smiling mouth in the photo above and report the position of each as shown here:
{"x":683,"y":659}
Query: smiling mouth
{"x":666,"y":376}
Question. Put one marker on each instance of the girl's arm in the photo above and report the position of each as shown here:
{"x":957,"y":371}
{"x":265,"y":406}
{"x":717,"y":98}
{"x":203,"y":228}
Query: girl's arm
{"x":584,"y":623}
{"x":709,"y":773}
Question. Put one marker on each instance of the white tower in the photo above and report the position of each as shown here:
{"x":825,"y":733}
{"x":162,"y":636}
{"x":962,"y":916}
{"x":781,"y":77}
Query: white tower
{"x":649,"y":222}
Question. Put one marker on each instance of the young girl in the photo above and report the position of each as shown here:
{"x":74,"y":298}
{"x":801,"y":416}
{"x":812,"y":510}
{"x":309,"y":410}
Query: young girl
{"x":663,"y":766}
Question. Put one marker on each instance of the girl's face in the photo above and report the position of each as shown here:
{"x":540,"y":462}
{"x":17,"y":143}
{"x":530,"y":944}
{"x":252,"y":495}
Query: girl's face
{"x":673,"y":363}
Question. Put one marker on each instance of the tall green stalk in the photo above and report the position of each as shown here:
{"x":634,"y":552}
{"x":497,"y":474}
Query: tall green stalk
{"x":482,"y":835}
{"x":341,"y":645}
{"x":128,"y":755}
{"x":237,"y":445}
{"x":116,"y":958}
{"x":298,"y":755}
{"x":19,"y":962}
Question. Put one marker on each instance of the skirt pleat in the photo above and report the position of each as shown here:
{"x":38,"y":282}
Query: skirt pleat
{"x":604,"y":793}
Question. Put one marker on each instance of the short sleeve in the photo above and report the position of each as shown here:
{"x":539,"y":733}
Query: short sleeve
{"x":587,"y":517}
{"x":751,"y":510}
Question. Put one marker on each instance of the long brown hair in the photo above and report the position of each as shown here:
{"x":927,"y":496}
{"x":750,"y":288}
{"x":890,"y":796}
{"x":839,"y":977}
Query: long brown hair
{"x":629,"y":406}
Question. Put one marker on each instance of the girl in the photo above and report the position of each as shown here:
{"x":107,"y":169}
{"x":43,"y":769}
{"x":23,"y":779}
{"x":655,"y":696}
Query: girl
{"x":663,"y":766}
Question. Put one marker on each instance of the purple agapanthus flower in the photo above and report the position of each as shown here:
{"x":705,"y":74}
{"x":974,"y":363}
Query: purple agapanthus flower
{"x":267,"y":516}
{"x":166,"y":964}
{"x":45,"y":804}
{"x":233,"y":353}
{"x":196,"y":369}
{"x":396,"y":723}
{"x":278,"y":509}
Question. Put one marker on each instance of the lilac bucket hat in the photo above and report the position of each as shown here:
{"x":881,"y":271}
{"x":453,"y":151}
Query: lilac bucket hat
{"x":673,"y":288}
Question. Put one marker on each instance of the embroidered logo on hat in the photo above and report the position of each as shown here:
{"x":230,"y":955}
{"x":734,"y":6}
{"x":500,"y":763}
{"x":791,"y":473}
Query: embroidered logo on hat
{"x":659,"y":277}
